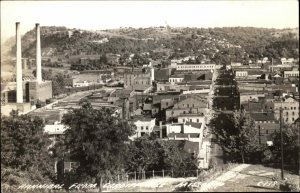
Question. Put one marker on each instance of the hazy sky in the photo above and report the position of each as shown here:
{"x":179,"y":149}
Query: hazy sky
{"x":115,"y":14}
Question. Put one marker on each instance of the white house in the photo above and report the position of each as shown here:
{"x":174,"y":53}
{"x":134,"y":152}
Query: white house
{"x":143,"y":125}
{"x":192,"y":135}
{"x":192,"y":131}
{"x":195,"y":118}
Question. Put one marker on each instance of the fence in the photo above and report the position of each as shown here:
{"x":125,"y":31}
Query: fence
{"x":143,"y":175}
{"x":201,"y":175}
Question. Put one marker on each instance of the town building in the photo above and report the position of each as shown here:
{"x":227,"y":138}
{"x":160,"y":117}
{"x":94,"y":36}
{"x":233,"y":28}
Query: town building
{"x":290,"y":110}
{"x":176,"y":78}
{"x":144,"y":125}
{"x":23,"y":95}
{"x":195,"y":67}
{"x":194,"y":104}
{"x":139,"y":81}
{"x":241,"y":74}
{"x":291,"y":73}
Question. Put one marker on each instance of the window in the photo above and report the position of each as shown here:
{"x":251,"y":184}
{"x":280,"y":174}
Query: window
{"x":183,"y":112}
{"x":287,"y":119}
{"x":188,"y":105}
{"x":267,"y":132}
{"x":147,"y":128}
{"x":287,"y":113}
{"x":191,"y":120}
{"x":293,"y":113}
{"x":291,"y":108}
{"x":197,"y":120}
{"x":293,"y":119}
{"x":142,"y":128}
{"x":167,"y":104}
{"x":294,"y":108}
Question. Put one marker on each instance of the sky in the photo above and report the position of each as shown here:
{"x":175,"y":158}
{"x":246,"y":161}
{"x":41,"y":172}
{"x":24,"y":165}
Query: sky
{"x":92,"y":15}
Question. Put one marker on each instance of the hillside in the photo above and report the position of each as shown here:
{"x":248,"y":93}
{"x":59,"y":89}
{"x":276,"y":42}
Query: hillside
{"x":237,"y":42}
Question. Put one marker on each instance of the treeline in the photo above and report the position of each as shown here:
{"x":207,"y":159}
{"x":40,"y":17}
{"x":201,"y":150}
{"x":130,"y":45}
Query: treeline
{"x":238,"y":136}
{"x":255,"y":42}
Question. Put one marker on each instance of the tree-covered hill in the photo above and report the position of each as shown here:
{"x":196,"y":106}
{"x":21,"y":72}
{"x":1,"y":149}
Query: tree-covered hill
{"x":239,"y":42}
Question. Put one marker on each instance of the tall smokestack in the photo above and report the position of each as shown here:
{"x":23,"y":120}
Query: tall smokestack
{"x":38,"y":54}
{"x":19,"y":65}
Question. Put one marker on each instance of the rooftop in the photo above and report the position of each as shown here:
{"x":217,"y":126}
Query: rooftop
{"x":196,"y":125}
{"x":263,"y":116}
{"x":122,"y":93}
{"x":184,"y":135}
{"x":142,"y":118}
{"x":191,"y":115}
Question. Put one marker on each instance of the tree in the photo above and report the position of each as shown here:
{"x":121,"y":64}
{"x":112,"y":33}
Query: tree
{"x":58,"y":84}
{"x":143,"y":154}
{"x":246,"y":138}
{"x":103,"y":59}
{"x":24,"y":150}
{"x":236,"y":134}
{"x":176,"y":159}
{"x":96,"y":140}
{"x":150,"y":153}
{"x":291,"y":145}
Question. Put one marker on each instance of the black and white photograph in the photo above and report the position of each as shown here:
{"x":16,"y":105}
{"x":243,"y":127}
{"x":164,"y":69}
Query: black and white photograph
{"x":150,"y":96}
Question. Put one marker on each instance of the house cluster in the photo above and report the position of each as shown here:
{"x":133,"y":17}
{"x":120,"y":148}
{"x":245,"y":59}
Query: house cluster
{"x":169,"y":103}
{"x":267,"y":91}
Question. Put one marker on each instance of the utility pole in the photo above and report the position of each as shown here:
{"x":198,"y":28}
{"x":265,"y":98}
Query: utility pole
{"x":281,"y":144}
{"x":259,"y":142}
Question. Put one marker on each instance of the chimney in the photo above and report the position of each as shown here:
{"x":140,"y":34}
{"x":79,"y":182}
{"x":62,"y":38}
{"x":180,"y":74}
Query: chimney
{"x":152,"y":74}
{"x":19,"y":65}
{"x":38,"y":54}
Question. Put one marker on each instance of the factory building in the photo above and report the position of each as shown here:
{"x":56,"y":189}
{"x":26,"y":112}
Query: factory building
{"x":22,"y":95}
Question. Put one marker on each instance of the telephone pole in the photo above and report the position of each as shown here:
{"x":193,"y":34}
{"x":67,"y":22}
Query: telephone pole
{"x":281,"y":145}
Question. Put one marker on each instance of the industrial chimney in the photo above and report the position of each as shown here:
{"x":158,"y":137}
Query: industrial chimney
{"x":19,"y":65}
{"x":38,"y":54}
